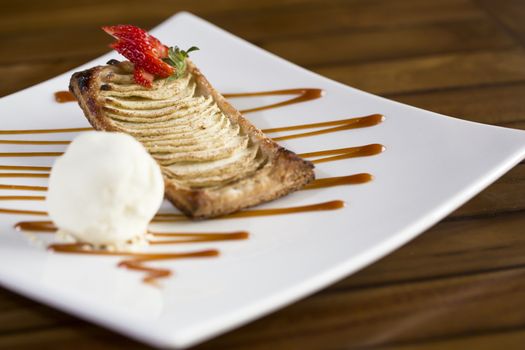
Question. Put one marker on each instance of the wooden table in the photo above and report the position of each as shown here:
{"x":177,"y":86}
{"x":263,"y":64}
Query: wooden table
{"x":461,"y":285}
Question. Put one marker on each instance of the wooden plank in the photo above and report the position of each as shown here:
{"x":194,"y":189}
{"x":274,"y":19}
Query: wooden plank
{"x":506,"y":339}
{"x":26,"y":318}
{"x":451,"y":308}
{"x":250,"y":21}
{"x":450,"y":248}
{"x":510,"y":13}
{"x":82,"y":44}
{"x":432,"y":72}
{"x":162,"y":8}
{"x":384,"y":44}
{"x":321,"y":49}
{"x":57,"y":14}
{"x":402,"y":313}
{"x":498,"y":105}
{"x":73,"y":336}
{"x":9,"y":300}
{"x":505,"y":195}
{"x":469,"y":28}
{"x":346,"y":15}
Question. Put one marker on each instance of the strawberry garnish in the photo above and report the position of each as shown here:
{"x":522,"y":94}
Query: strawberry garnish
{"x":142,"y":77}
{"x":144,"y":50}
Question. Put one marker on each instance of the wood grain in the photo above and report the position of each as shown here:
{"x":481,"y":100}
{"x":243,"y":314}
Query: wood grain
{"x":460,"y":285}
{"x":509,"y":13}
{"x":433,"y":72}
{"x":378,"y":44}
{"x":370,"y":317}
{"x":497,"y":105}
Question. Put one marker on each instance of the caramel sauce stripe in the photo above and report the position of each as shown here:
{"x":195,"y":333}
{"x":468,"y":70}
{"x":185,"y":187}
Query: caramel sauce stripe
{"x":64,"y":96}
{"x":137,"y":260}
{"x":22,"y":198}
{"x":42,"y":131}
{"x":34,"y":142}
{"x":316,"y":184}
{"x":330,"y":205}
{"x":22,"y":188}
{"x":196,"y":237}
{"x":339,"y":181}
{"x":344,"y":153}
{"x":161,"y":217}
{"x":36,"y":226}
{"x":24,"y":175}
{"x":302,"y":95}
{"x":22,"y":212}
{"x":326,"y":127}
{"x":30,"y":154}
{"x":25,"y":167}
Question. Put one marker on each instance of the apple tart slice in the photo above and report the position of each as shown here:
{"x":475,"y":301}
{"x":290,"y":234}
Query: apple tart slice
{"x":213,"y":160}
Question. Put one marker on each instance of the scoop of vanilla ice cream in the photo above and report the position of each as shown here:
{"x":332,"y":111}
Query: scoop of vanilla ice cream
{"x":105,"y":189}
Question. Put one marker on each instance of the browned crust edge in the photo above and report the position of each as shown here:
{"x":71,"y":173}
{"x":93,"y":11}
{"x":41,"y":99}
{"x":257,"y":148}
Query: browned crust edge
{"x":286,"y":173}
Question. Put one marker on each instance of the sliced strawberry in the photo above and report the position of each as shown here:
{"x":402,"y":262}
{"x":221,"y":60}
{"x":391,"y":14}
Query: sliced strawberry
{"x":157,"y":66}
{"x":143,"y":50}
{"x":142,"y":77}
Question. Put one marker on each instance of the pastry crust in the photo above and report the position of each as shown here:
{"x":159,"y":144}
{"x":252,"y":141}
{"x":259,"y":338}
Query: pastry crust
{"x":282,"y":173}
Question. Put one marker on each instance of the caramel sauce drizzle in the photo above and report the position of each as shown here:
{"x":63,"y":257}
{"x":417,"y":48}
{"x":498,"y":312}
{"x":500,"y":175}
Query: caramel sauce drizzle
{"x":137,"y":263}
{"x":339,"y":181}
{"x":331,"y":205}
{"x":36,"y":226}
{"x":42,"y":131}
{"x":316,"y":184}
{"x":304,"y":94}
{"x":170,"y":217}
{"x":31,"y":154}
{"x":344,"y":124}
{"x":22,"y":212}
{"x":336,"y":125}
{"x":137,"y":259}
{"x":33,"y":142}
{"x":180,"y":237}
{"x":22,"y":198}
{"x":23,"y":188}
{"x":25,"y":167}
{"x":344,"y":153}
{"x":23,"y":175}
{"x":196,"y":237}
{"x":64,"y":96}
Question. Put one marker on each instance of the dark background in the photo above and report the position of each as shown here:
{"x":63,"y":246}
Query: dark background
{"x":461,"y":285}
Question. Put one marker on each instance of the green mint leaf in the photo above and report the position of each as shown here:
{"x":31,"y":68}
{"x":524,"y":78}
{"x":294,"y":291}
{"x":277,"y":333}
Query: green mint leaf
{"x":177,"y":58}
{"x":193,"y":48}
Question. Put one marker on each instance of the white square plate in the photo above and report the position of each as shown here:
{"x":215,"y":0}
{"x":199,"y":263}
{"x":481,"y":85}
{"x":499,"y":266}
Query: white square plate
{"x":432,"y":164}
